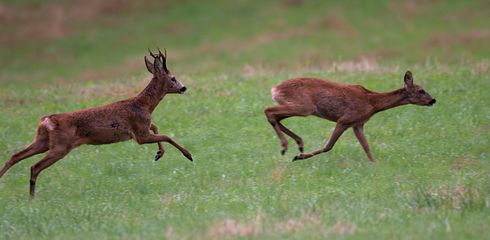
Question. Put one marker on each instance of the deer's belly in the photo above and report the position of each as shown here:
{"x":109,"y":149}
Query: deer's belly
{"x":329,"y":115}
{"x":99,"y":136}
{"x":331,"y":108}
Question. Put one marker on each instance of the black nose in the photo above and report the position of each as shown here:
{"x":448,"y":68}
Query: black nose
{"x":183,"y":89}
{"x":432,"y":101}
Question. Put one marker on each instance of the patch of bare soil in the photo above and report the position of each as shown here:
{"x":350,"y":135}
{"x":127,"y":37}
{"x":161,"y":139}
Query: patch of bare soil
{"x":292,"y":225}
{"x":361,"y":64}
{"x":115,"y":90}
{"x":229,"y":228}
{"x":292,"y":3}
{"x":131,"y":65}
{"x":342,"y":229}
{"x":461,"y":195}
{"x":55,"y":20}
{"x":408,"y":9}
{"x":169,"y":233}
{"x":235,"y":45}
{"x":338,"y":24}
{"x":316,"y":63}
{"x":232,"y":228}
{"x":278,"y":173}
{"x":462,"y":163}
{"x":482,"y":67}
{"x":332,"y":22}
{"x":445,"y":40}
{"x":456,"y":196}
{"x":467,"y":12}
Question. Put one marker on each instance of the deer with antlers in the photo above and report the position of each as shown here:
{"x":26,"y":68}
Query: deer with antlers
{"x":58,"y":134}
{"x":346,"y":104}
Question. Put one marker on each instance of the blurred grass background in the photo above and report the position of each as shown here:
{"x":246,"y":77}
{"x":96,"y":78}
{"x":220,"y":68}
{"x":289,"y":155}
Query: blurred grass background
{"x":431,"y":180}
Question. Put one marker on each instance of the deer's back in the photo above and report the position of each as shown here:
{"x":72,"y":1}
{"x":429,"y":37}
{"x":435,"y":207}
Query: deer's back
{"x":326,"y":99}
{"x":105,"y":124}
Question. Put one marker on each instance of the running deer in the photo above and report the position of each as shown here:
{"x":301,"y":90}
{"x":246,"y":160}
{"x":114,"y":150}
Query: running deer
{"x":346,"y":104}
{"x":58,"y":134}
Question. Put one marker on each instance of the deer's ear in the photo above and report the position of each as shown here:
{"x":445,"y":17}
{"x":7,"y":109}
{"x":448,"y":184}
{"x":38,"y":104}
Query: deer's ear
{"x":149,"y":66}
{"x":408,"y":79}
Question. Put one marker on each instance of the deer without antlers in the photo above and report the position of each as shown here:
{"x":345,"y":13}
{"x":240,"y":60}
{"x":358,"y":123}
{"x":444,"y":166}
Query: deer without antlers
{"x":58,"y":134}
{"x":346,"y":104}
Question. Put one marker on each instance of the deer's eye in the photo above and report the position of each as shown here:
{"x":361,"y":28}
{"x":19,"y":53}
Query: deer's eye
{"x":173,"y":79}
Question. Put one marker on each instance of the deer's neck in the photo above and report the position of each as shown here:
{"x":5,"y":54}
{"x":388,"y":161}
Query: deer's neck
{"x":385,"y":101}
{"x":151,"y":96}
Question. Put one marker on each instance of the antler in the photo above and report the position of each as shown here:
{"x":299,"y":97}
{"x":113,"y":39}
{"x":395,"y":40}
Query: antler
{"x":161,"y":57}
{"x":152,"y":54}
{"x":164,"y":58}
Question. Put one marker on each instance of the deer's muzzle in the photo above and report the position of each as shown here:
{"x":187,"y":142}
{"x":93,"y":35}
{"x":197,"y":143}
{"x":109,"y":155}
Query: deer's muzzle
{"x":432,"y":102}
{"x":182,"y":90}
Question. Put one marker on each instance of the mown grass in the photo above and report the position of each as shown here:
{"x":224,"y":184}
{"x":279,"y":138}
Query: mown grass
{"x":431,"y":179}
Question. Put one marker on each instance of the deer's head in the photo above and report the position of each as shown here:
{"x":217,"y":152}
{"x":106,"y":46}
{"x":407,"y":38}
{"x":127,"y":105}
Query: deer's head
{"x":415,"y":94}
{"x":160,"y":71}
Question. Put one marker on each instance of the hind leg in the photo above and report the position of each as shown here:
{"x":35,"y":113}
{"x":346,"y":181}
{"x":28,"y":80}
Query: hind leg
{"x":40,"y":145}
{"x":53,"y":156}
{"x":293,"y":135}
{"x":278,"y":113}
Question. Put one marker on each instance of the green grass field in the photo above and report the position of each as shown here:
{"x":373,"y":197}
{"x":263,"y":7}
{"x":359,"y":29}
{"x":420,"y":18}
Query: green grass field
{"x":432,"y":175}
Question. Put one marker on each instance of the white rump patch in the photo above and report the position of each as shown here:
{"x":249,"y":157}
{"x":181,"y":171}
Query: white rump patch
{"x":274,"y":93}
{"x":47,"y":123}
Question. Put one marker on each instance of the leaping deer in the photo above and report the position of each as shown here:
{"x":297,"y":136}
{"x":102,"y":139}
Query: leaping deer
{"x":128,"y":119}
{"x":346,"y":104}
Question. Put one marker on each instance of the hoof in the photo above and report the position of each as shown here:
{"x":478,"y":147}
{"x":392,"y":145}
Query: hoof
{"x":283,"y":152}
{"x":301,"y":149}
{"x":298,"y":157}
{"x":158,"y":155}
{"x":189,"y":157}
